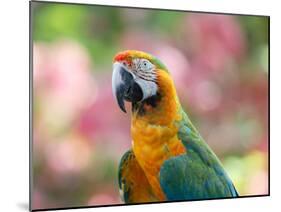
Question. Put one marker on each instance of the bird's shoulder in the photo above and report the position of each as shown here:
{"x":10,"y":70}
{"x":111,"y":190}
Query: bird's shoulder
{"x":200,"y":174}
{"x":133,"y":184}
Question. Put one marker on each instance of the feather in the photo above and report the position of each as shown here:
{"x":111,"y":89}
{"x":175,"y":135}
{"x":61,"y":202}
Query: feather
{"x":133,"y":184}
{"x":200,"y":174}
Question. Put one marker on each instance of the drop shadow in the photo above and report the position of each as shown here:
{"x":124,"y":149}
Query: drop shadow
{"x":23,"y":206}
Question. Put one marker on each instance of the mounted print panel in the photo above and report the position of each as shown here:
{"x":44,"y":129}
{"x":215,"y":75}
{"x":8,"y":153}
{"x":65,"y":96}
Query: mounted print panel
{"x":139,"y":105}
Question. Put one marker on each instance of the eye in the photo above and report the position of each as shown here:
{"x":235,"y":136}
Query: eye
{"x":145,"y":65}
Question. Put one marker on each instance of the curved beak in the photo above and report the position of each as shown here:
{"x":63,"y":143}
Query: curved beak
{"x":124,"y":86}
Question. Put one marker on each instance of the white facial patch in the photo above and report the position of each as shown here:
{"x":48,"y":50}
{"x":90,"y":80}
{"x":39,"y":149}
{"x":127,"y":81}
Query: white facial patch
{"x":144,"y":69}
{"x":145,"y":75}
{"x":149,"y":88}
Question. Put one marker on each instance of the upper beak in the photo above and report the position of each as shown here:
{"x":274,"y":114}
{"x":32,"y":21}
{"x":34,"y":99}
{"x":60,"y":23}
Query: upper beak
{"x":124,"y":86}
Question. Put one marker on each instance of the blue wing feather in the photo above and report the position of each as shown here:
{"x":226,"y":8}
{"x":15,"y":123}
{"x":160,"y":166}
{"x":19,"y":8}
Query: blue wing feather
{"x":197,"y":174}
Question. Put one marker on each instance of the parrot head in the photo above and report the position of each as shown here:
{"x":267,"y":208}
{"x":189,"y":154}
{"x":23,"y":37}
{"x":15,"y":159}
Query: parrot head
{"x":135,"y":77}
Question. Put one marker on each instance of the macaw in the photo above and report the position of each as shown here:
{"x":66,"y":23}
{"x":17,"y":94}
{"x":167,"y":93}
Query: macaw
{"x":169,"y":160}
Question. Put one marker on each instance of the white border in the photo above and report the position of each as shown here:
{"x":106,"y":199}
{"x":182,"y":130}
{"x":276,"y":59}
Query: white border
{"x":14,"y":117}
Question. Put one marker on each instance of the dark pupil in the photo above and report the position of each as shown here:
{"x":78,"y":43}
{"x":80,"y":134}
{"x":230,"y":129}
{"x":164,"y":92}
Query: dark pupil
{"x":144,"y":63}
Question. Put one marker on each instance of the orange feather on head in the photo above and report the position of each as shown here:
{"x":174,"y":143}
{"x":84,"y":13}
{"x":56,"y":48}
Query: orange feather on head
{"x":129,"y":55}
{"x":121,"y":56}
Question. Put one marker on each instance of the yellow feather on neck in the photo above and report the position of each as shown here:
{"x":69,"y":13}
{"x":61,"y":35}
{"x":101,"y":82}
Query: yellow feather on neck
{"x":154,"y":133}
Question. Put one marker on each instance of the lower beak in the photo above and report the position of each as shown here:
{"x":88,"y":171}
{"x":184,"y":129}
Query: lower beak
{"x":124,"y":86}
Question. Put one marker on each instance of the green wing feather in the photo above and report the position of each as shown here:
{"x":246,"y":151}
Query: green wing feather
{"x":199,"y":173}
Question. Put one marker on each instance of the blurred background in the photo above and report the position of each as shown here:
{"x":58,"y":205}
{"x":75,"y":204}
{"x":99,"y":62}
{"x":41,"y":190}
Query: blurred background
{"x":220,"y":67}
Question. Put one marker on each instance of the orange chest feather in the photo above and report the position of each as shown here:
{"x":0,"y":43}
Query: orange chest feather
{"x":152,"y":146}
{"x":155,"y":140}
{"x":154,"y":133}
